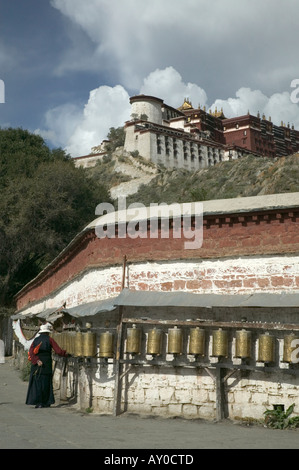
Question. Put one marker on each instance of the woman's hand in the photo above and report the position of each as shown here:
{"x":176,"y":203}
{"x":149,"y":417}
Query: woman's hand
{"x":39,"y":363}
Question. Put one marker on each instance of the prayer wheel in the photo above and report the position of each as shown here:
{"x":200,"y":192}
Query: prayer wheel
{"x":71,"y":342}
{"x":68,"y":342}
{"x":133,"y":340}
{"x":243,"y":344}
{"x":197,"y":342}
{"x":78,"y":344}
{"x":220,"y":343}
{"x":154,"y":342}
{"x":106,"y":344}
{"x":266,"y":348}
{"x":56,"y":337}
{"x":63,"y":340}
{"x":289,"y":347}
{"x":175,"y":340}
{"x":89,"y":344}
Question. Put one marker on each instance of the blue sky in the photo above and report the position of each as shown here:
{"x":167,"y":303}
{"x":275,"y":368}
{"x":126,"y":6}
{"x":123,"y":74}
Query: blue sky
{"x":69,"y":67}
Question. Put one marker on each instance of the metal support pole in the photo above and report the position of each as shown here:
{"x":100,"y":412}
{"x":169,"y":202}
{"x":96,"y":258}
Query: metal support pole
{"x":118,"y":365}
{"x":220,"y":396}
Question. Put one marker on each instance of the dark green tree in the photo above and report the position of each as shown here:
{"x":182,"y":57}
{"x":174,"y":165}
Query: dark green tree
{"x":116,"y":137}
{"x":45,"y":201}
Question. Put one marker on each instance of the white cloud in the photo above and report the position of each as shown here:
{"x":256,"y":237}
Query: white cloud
{"x":77,"y":130}
{"x":278,"y":106}
{"x":60,"y":123}
{"x":168,"y":85}
{"x":248,"y":43}
{"x":107,"y":107}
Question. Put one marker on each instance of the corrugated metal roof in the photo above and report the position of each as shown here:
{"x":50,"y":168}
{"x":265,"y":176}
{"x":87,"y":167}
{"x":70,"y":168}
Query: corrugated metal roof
{"x":172,"y":299}
{"x":186,"y":299}
{"x":93,"y":308}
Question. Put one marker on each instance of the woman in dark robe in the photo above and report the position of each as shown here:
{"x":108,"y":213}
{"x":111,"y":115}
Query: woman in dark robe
{"x":40,"y":389}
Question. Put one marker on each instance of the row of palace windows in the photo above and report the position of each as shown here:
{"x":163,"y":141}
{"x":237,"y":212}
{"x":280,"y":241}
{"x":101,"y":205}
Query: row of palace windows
{"x":188,"y":147}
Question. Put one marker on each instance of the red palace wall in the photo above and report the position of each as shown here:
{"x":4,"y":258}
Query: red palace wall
{"x":257,"y":233}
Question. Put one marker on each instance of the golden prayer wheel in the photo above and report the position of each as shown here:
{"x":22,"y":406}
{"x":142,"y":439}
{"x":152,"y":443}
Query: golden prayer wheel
{"x":197,"y":342}
{"x":243,"y":344}
{"x":289,"y":347}
{"x":106,"y":344}
{"x":78,"y":344}
{"x":55,"y":336}
{"x":266,"y":348}
{"x":67,"y":342}
{"x":220,"y":343}
{"x":154,"y":342}
{"x":71,"y":342}
{"x":133,"y":340}
{"x":89,"y":344}
{"x":63,"y":340}
{"x":175,"y":340}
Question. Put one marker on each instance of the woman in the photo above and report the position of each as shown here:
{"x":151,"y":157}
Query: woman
{"x":40,"y":389}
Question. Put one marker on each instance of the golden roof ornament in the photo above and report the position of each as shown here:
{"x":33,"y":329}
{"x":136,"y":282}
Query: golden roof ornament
{"x":186,"y":105}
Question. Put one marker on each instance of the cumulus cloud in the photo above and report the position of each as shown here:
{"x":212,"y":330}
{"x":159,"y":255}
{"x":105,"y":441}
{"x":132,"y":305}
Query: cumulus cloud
{"x":79,"y":129}
{"x":107,"y":107}
{"x":224,"y":45}
{"x":169,"y":85}
{"x":60,"y":124}
{"x":279,"y":106}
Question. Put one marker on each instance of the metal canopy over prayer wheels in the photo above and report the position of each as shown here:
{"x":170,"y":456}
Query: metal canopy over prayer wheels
{"x":89,"y":344}
{"x":290,"y":347}
{"x":266,"y":348}
{"x":133,"y":340}
{"x":197,"y":342}
{"x":175,"y":340}
{"x":106,"y":344}
{"x":154,"y":342}
{"x":243,"y":344}
{"x":220,"y":343}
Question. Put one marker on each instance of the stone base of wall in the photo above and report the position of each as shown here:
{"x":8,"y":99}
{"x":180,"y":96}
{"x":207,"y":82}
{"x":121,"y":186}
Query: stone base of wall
{"x":189,"y":393}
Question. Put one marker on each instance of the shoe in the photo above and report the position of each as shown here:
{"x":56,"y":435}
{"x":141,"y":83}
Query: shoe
{"x":38,"y":406}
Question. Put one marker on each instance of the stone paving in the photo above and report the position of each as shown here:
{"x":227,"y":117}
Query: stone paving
{"x":63,"y":427}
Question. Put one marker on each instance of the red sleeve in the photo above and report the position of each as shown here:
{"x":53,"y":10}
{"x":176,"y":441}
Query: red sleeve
{"x":57,"y":349}
{"x":33,"y":358}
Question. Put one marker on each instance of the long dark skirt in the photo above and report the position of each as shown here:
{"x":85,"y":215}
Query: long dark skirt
{"x":40,"y":389}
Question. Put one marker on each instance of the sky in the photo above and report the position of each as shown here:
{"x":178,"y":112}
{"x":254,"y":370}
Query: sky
{"x":69,"y":67}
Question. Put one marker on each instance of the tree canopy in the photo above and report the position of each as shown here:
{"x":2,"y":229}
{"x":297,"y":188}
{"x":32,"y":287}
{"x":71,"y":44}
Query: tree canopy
{"x":45,"y":200}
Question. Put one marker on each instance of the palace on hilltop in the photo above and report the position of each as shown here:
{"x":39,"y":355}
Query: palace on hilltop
{"x":194,"y":138}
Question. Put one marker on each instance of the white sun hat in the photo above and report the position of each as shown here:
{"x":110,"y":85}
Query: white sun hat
{"x":47,"y":328}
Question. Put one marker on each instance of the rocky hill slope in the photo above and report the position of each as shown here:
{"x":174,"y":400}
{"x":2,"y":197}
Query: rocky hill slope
{"x":141,"y":181}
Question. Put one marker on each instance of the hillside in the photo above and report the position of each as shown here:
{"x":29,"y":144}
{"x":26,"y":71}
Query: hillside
{"x":142,"y":182}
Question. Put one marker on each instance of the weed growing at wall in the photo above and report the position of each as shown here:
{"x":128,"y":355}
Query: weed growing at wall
{"x":280,"y":419}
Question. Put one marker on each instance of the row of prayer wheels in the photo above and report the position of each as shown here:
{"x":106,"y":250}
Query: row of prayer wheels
{"x":80,"y":344}
{"x":84,"y":344}
{"x":220,"y":343}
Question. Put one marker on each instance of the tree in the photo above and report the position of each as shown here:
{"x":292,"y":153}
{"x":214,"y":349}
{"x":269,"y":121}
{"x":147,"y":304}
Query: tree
{"x":45,"y":201}
{"x":116,"y":138}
